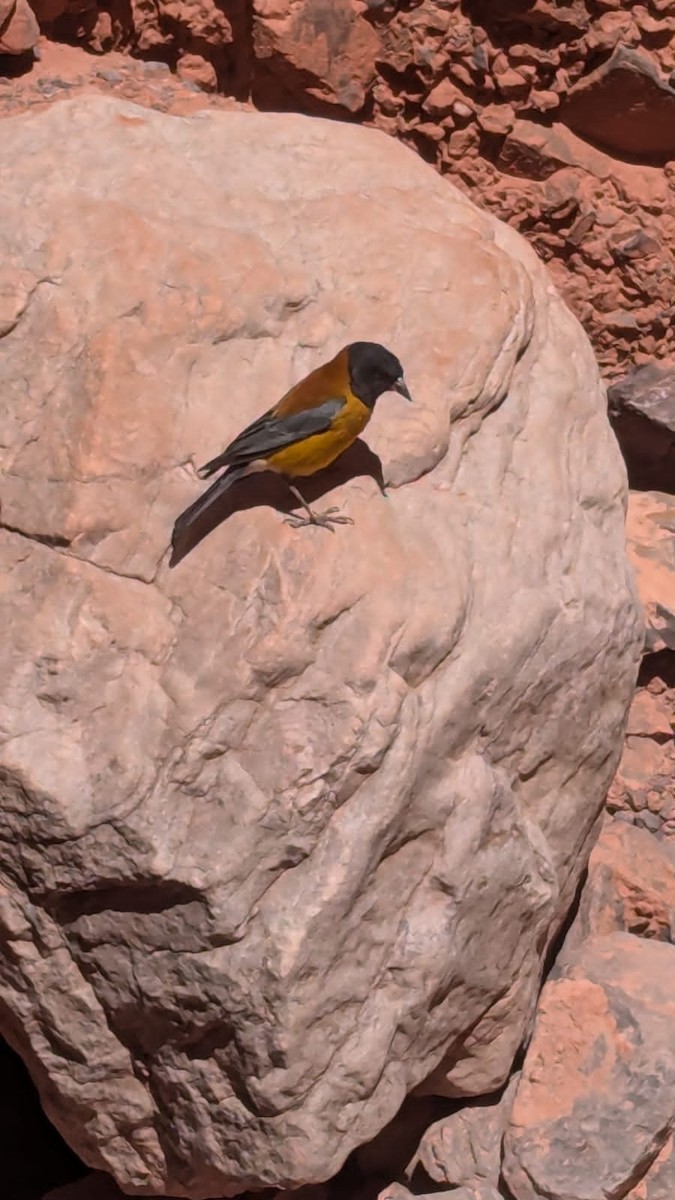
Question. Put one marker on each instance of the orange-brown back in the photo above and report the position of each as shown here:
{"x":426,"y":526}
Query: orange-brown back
{"x":330,"y":380}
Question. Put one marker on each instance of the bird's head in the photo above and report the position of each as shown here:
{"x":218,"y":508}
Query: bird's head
{"x":373,"y":370}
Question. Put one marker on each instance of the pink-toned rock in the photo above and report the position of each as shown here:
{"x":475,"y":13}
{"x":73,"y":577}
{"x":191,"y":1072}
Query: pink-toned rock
{"x":192,"y":68}
{"x":596,"y":1100}
{"x":19,"y":30}
{"x":441,"y":98}
{"x":650,"y":716}
{"x":630,"y":888}
{"x":496,"y":118}
{"x":288,"y":830}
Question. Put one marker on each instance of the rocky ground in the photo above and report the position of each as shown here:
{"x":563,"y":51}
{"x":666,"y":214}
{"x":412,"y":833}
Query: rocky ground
{"x":530,"y":108}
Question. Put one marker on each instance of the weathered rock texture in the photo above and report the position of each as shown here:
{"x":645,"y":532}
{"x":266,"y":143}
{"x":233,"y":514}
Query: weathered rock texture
{"x":595,"y":1106}
{"x":557,"y":117}
{"x":288,"y":830}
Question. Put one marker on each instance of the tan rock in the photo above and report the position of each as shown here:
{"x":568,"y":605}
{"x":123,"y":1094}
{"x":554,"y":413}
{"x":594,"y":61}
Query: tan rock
{"x":594,"y":1106}
{"x":288,"y":830}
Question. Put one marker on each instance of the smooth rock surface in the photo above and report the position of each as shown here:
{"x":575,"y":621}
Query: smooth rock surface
{"x":286,"y":832}
{"x":596,"y":1100}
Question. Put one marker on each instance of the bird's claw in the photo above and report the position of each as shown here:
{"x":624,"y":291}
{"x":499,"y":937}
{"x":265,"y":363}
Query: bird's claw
{"x":325,"y":519}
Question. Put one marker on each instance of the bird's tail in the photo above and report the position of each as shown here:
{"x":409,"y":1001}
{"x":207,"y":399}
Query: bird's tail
{"x":211,"y":467}
{"x":204,"y":502}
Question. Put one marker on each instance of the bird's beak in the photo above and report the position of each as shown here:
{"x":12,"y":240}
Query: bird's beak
{"x":401,"y":387}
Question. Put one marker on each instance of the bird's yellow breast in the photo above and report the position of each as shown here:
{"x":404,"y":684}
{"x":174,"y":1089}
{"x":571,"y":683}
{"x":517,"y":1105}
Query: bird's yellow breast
{"x":320,"y":450}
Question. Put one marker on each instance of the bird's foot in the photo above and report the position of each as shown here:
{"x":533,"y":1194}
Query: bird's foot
{"x":325,"y":519}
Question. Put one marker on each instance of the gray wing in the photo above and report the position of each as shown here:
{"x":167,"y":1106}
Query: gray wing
{"x":270,"y":433}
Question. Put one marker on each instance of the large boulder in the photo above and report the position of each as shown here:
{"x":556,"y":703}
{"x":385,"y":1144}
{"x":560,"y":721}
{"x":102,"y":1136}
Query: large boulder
{"x":286,"y":831}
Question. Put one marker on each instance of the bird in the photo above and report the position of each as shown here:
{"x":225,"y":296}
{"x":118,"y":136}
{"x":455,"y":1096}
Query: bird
{"x":312,"y":424}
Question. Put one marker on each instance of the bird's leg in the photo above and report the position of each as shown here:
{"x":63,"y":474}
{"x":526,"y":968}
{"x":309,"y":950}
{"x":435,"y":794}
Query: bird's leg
{"x":325,"y":519}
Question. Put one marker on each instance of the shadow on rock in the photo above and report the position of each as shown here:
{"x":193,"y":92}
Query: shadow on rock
{"x":257,"y":491}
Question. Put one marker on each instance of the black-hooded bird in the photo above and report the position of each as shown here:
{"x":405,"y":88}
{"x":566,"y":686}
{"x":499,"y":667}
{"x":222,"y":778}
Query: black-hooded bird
{"x":306,"y":430}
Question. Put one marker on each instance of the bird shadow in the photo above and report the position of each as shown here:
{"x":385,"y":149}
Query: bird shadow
{"x":257,"y":491}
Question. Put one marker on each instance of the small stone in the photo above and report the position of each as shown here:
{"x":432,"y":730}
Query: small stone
{"x":545,"y":101}
{"x":655,"y":802}
{"x":157,"y":68}
{"x":428,"y":129}
{"x":441,"y":99}
{"x":497,"y":118}
{"x":197,"y":71}
{"x":109,"y":75}
{"x":462,"y":109}
{"x":459,"y":72}
{"x":648,"y":820}
{"x":620,"y":320}
{"x":512,"y":84}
